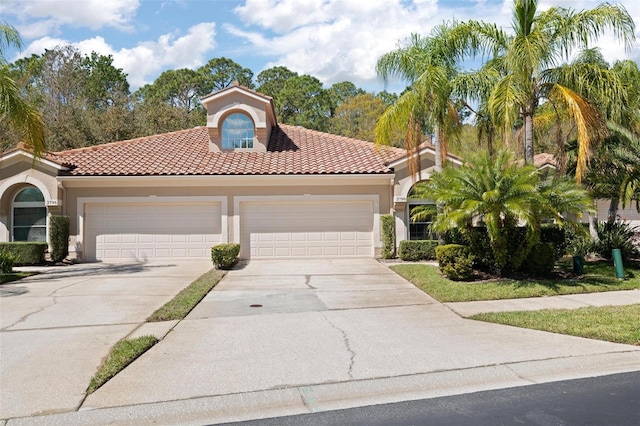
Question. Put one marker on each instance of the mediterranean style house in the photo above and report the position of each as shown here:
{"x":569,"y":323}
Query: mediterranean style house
{"x":280,"y":191}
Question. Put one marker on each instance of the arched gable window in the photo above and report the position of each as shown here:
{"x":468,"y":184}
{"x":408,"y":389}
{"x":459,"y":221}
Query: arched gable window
{"x":237,"y":131}
{"x":29,"y":216}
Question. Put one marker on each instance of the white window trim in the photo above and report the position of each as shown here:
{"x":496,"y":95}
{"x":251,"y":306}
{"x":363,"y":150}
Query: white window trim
{"x":412,"y":203}
{"x":28,"y":204}
{"x":377,"y":243}
{"x":82,"y":201}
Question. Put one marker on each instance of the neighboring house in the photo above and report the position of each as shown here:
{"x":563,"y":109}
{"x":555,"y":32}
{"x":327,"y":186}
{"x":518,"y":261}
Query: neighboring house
{"x":278,"y":190}
{"x":629,"y":214}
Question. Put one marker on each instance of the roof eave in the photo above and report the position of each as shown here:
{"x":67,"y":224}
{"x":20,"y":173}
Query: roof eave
{"x":14,"y":154}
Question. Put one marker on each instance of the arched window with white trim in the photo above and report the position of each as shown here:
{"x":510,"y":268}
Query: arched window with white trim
{"x":237,"y":131}
{"x":29,"y":216}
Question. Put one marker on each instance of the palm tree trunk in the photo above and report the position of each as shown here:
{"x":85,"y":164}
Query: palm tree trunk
{"x":436,"y":144}
{"x":613,"y":210}
{"x":528,"y":137}
{"x":593,"y":227}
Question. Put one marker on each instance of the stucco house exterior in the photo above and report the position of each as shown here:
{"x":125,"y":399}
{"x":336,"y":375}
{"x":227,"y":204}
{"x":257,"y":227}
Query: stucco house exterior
{"x":546,"y":163}
{"x":279,"y":190}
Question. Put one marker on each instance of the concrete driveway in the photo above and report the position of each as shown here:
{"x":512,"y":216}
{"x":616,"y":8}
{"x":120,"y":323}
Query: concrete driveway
{"x":287,"y":337}
{"x":57,"y":326}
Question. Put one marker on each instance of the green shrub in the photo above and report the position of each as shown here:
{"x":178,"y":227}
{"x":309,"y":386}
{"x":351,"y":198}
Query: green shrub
{"x":7,"y":260}
{"x":454,"y":236}
{"x":224,"y":255}
{"x":59,"y":237}
{"x":455,"y":261}
{"x":616,"y":235}
{"x":477,"y":239}
{"x":413,"y":250}
{"x":25,"y":253}
{"x":388,"y":236}
{"x":541,"y":259}
{"x":552,"y":233}
{"x":580,"y":245}
{"x":520,"y":240}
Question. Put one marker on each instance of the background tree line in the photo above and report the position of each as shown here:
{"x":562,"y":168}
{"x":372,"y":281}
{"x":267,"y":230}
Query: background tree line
{"x":85,"y":100}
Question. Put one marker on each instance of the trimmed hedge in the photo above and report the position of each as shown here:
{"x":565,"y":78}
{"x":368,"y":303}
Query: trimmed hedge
{"x":541,"y":259}
{"x":25,"y":253}
{"x":455,"y":261}
{"x":388,"y":236}
{"x":413,"y":250}
{"x":224,"y":256}
{"x":59,"y":237}
{"x":6,"y":262}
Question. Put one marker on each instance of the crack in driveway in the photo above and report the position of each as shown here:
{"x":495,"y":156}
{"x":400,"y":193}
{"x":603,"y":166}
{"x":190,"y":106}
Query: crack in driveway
{"x":25,"y":317}
{"x":347,"y":345}
{"x":307,"y":280}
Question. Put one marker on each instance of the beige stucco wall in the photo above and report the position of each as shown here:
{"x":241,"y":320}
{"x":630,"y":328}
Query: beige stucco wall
{"x":234,"y":101}
{"x":628,"y":214}
{"x":19,"y":175}
{"x":255,"y":186}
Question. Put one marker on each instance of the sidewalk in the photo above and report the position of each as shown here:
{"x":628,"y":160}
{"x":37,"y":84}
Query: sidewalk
{"x":569,"y":301}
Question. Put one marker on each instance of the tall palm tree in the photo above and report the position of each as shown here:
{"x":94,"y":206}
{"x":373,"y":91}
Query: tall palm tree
{"x":22,"y":117}
{"x":504,"y":194}
{"x":528,"y":63}
{"x":428,"y":65}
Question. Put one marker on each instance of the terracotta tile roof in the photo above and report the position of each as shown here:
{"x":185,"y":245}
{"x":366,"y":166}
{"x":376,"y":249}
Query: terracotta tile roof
{"x":292,"y":150}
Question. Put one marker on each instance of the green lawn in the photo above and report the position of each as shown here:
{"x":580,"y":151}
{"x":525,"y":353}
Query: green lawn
{"x":178,"y":307}
{"x":620,"y":324}
{"x":121,"y":354}
{"x":599,"y":276}
{"x":15,"y":276}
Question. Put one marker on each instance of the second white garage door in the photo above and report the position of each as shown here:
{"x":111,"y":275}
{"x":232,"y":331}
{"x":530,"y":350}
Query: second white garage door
{"x":307,"y":229}
{"x":151,"y":231}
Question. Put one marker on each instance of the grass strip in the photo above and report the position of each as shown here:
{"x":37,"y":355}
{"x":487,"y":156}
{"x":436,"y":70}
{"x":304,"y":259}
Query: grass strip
{"x":599,"y":277}
{"x":178,"y":307}
{"x":121,"y":354}
{"x":617,"y":324}
{"x":15,"y":276}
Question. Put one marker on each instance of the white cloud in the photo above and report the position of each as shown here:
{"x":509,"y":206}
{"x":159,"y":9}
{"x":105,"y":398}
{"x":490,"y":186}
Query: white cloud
{"x":39,"y":29}
{"x":337,"y":40}
{"x":144,"y":62}
{"x":94,"y":14}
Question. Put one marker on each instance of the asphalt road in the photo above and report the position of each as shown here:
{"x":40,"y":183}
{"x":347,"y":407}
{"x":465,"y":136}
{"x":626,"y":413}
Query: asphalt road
{"x":607,"y":400}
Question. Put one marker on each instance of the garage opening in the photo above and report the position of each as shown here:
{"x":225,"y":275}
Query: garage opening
{"x":307,"y":229}
{"x":151,"y":231}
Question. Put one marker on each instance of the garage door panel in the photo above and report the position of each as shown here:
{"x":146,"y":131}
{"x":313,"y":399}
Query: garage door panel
{"x":151,"y":231}
{"x":307,"y":229}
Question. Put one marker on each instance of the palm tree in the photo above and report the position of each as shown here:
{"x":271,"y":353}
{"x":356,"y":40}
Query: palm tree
{"x":22,"y":117}
{"x":428,"y":65}
{"x":505,"y":194}
{"x":628,"y":154}
{"x":527,"y":63}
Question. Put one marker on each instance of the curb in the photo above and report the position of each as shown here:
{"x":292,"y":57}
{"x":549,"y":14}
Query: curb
{"x":334,"y":396}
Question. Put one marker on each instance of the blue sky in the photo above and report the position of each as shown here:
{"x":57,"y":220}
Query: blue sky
{"x":333,"y":40}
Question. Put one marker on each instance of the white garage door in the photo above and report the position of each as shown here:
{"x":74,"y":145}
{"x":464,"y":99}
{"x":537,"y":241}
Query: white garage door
{"x":307,"y":229}
{"x":151,"y":231}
